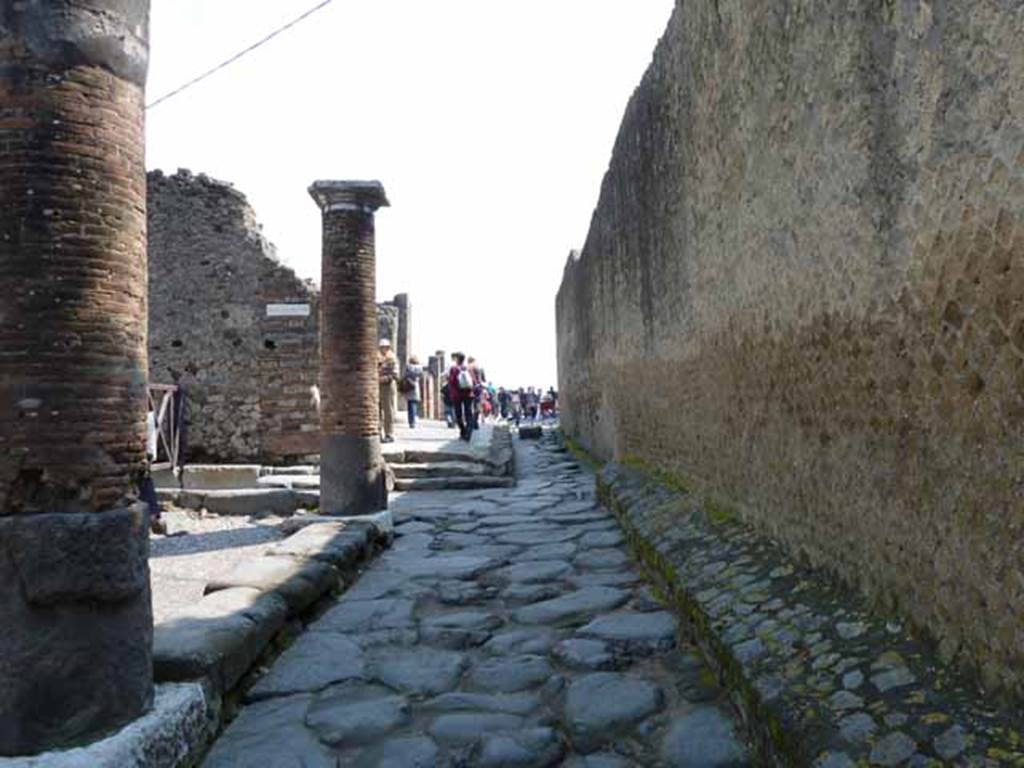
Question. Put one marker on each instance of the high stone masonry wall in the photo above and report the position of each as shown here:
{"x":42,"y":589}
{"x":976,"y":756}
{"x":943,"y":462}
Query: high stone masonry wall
{"x":236,"y":328}
{"x":802,"y":292}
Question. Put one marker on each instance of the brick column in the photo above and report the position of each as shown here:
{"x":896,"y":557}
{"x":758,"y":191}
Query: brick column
{"x":75,"y":618}
{"x":351,"y":467}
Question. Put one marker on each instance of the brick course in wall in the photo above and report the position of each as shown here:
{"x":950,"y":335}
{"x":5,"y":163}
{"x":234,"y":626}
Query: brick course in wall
{"x":803,"y":293}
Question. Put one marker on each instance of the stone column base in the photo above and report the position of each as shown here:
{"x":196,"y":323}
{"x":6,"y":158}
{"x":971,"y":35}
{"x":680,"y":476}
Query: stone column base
{"x":352,"y":478}
{"x":76,"y":627}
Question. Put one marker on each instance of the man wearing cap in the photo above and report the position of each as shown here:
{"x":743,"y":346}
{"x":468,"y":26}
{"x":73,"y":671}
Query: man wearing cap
{"x":387,"y":374}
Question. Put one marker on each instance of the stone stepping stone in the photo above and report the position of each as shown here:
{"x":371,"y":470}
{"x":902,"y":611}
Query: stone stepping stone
{"x":531,"y":747}
{"x":573,"y":606}
{"x":470,"y":726}
{"x":530,"y":640}
{"x":579,"y":653}
{"x":418,"y":671}
{"x":313,"y":662}
{"x":601,"y":559}
{"x":634,"y":633}
{"x":503,"y":703}
{"x":599,"y":705}
{"x":405,"y":752}
{"x":532,"y":573}
{"x":356,"y":714}
{"x":270,"y":733}
{"x":703,"y":739}
{"x":510,"y":675}
{"x":367,"y":615}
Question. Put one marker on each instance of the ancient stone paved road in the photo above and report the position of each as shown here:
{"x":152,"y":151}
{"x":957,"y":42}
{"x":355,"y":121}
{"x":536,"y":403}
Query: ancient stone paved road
{"x":504,"y":628}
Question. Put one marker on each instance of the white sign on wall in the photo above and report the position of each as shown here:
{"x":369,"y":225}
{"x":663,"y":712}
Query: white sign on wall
{"x":287,"y":310}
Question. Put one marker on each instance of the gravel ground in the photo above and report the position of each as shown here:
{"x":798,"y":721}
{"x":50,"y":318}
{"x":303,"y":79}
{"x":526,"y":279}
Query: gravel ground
{"x":181,"y":565}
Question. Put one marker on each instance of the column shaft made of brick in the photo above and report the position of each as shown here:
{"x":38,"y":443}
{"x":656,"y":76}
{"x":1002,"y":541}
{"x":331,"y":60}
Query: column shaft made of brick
{"x":75,"y":615}
{"x":352,"y":478}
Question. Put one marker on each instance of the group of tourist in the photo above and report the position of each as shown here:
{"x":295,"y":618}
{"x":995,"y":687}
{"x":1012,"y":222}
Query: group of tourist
{"x":467,"y":395}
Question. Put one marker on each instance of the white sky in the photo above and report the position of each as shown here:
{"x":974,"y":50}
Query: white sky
{"x":489,"y":123}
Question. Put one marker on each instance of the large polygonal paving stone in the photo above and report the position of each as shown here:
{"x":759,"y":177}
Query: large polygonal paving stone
{"x":271,"y":733}
{"x":530,"y":748}
{"x":584,"y":654}
{"x":406,"y":752}
{"x":531,"y":573}
{"x":314,"y":661}
{"x":554,"y":535}
{"x":442,"y":566}
{"x":470,"y":726}
{"x":459,"y":630}
{"x":367,"y":615}
{"x":560,"y":551}
{"x":601,"y":559}
{"x":634,"y":633}
{"x":508,"y":675}
{"x":529,"y":640}
{"x":504,"y":703}
{"x":375,"y":584}
{"x":598,"y":705}
{"x":572,"y":606}
{"x":531,"y":593}
{"x":598,"y":539}
{"x":703,"y":739}
{"x":418,"y":671}
{"x":353,"y":714}
{"x":604,"y":579}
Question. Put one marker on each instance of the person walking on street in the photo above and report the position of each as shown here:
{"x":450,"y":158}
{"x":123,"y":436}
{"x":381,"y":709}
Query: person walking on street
{"x":460,"y":390}
{"x":387,"y":377}
{"x":479,"y":380}
{"x":410,"y":387}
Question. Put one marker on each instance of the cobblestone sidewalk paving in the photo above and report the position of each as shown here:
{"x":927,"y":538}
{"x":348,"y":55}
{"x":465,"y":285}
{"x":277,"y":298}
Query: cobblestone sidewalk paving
{"x":504,"y":628}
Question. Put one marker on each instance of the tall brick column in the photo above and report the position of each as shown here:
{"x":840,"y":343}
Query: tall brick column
{"x":351,"y":467}
{"x":75,"y":618}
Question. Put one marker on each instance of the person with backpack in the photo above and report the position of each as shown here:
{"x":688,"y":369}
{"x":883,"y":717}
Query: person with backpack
{"x":460,"y":391}
{"x":410,"y":387}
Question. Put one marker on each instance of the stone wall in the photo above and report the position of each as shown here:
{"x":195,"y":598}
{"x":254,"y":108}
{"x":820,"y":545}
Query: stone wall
{"x":801,"y":294}
{"x":238,"y":330}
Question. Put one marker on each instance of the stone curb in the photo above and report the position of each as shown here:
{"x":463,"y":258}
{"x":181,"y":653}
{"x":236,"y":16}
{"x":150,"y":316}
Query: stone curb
{"x":253,"y":609}
{"x":819,"y":679}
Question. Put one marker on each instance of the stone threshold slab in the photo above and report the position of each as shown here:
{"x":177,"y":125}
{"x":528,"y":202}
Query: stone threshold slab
{"x":820,"y":680}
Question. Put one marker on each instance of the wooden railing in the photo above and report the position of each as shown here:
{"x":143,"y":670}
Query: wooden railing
{"x":167,"y":405}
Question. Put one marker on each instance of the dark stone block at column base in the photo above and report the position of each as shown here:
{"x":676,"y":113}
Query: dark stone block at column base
{"x":76,"y":627}
{"x":352,"y":479}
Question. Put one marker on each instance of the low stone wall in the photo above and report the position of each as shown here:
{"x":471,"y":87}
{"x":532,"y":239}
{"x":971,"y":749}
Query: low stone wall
{"x":801,"y":294}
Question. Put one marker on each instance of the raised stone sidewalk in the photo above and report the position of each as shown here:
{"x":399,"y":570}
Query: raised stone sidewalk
{"x":820,"y":679}
{"x":506,"y":627}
